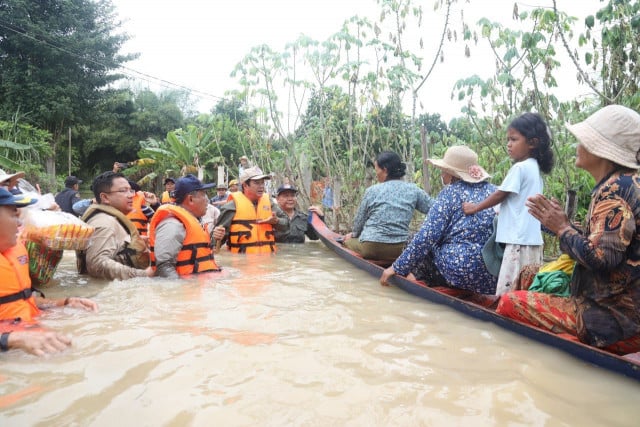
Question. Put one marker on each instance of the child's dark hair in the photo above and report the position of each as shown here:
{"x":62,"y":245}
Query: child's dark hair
{"x":533,"y":127}
{"x":103,"y":182}
{"x":391,"y":162}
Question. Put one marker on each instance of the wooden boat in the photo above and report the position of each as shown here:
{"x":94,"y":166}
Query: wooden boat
{"x":476,"y":306}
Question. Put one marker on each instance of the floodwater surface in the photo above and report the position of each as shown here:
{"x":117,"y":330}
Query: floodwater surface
{"x":301,"y":338}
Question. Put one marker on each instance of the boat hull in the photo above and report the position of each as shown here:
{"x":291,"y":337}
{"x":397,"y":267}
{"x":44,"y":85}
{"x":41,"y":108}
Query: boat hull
{"x":628,"y":365}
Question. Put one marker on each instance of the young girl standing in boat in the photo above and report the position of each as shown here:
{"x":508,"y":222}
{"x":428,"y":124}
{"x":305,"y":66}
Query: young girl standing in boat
{"x":529,"y":145}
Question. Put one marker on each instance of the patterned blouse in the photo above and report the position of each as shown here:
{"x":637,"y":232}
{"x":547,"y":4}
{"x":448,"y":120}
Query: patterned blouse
{"x":606,"y":280}
{"x":454,"y":239}
{"x":386,"y":211}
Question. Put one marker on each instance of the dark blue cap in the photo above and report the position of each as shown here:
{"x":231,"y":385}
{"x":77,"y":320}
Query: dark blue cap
{"x":8,"y":199}
{"x":188,"y":184}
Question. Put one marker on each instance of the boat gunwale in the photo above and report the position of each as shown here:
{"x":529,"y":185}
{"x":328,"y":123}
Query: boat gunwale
{"x":593,"y":355}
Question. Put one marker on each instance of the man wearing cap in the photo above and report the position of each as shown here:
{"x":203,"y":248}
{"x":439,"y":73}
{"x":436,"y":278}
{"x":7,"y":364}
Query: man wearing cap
{"x":286,"y":197}
{"x":169,"y":186}
{"x":222,"y":196}
{"x":67,"y":197}
{"x":233,"y":186}
{"x":18,"y":303}
{"x":244,"y":165}
{"x":116,"y":250}
{"x":179,"y":244}
{"x":249,"y":218}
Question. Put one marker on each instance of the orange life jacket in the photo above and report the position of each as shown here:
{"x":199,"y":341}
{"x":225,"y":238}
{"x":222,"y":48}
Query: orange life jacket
{"x":245,"y":235}
{"x":16,"y":293}
{"x":136,"y":216}
{"x":196,"y":255}
{"x":166,"y":198}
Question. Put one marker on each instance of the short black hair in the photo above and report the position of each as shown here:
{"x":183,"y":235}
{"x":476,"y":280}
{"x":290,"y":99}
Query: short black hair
{"x":103,"y":183}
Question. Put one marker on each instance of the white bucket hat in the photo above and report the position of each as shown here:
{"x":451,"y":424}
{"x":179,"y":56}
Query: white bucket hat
{"x":611,"y":133}
{"x":462,"y":162}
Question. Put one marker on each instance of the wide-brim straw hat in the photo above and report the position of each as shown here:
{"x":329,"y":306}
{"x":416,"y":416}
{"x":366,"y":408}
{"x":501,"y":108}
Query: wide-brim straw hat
{"x":611,"y":133}
{"x":461,"y":162}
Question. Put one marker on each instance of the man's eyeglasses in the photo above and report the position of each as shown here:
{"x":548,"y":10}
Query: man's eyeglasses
{"x":123,"y":191}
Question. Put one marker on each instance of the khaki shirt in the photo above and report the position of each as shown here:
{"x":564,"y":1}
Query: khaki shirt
{"x":104,"y":258}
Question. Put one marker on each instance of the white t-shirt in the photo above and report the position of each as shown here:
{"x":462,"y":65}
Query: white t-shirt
{"x":516,"y":226}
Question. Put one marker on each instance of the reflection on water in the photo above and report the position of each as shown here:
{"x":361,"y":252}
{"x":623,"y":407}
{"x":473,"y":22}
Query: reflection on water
{"x":300,"y":338}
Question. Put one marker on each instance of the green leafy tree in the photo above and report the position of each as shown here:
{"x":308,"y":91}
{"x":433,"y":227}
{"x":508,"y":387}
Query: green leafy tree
{"x":610,"y":43}
{"x":183,"y":151}
{"x":120,"y":121}
{"x":22,"y":147}
{"x":56,"y":57}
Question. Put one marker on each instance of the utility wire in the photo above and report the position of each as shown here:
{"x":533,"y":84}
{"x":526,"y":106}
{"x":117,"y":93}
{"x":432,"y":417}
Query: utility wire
{"x":127,"y":71}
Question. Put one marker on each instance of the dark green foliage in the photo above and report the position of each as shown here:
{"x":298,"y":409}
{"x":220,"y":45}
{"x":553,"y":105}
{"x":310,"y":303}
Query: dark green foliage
{"x":56,"y":58}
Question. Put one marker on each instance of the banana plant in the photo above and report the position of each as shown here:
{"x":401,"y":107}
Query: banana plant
{"x":185,"y":150}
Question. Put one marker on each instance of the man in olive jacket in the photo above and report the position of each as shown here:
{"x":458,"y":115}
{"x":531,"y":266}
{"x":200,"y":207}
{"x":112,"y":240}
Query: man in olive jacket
{"x":116,"y":250}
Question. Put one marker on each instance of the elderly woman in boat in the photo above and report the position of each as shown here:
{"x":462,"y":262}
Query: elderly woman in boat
{"x":381,"y":225}
{"x":447,"y":251}
{"x":604,"y":307}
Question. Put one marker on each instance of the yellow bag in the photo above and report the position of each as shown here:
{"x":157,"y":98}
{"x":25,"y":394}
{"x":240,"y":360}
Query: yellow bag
{"x":563,"y":263}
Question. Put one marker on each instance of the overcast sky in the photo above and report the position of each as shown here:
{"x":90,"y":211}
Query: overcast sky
{"x":197,"y":43}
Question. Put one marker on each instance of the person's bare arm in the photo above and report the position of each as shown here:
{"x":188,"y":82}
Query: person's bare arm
{"x":77,"y":302}
{"x":494,"y":199}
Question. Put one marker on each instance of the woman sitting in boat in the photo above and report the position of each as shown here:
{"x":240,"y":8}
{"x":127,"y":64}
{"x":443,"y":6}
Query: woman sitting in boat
{"x":447,"y":251}
{"x":604,"y":307}
{"x":381,"y":226}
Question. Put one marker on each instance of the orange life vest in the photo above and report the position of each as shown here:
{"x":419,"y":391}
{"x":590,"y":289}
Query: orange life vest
{"x":245,"y":235}
{"x":196,"y":255}
{"x":16,"y":299}
{"x":166,"y":198}
{"x":136,"y":216}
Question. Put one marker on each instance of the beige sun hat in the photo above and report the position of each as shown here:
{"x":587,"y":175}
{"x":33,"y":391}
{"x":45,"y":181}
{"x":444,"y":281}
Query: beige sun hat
{"x":252,"y":173}
{"x":612,"y":133}
{"x":462,"y":162}
{"x":11,"y":177}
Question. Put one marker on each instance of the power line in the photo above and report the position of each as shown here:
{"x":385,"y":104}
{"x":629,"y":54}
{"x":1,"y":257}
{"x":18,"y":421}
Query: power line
{"x":127,"y":71}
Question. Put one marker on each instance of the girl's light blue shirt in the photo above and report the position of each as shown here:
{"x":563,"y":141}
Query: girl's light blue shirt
{"x":516,"y":226}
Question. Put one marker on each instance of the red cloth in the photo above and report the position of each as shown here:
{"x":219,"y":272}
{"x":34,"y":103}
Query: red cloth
{"x":553,"y":313}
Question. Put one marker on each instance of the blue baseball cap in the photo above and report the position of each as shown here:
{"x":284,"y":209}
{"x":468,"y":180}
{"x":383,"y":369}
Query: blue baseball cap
{"x":20,"y":200}
{"x":188,"y":184}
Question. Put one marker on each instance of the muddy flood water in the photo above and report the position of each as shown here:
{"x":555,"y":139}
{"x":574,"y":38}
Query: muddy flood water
{"x":297,"y":339}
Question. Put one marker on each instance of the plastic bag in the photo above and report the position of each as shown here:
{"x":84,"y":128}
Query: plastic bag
{"x":563,"y":263}
{"x":44,"y":201}
{"x":56,"y":230}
